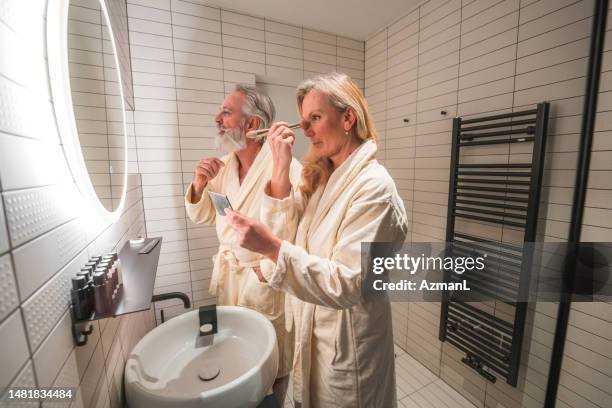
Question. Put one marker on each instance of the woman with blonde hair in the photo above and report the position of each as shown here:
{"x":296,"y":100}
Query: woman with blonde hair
{"x":343,"y":341}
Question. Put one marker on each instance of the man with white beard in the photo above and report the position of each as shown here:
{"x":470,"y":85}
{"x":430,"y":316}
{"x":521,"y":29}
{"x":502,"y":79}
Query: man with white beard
{"x":241,"y":175}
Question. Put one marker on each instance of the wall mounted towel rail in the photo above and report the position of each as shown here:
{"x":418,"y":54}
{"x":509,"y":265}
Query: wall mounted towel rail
{"x":505,"y":195}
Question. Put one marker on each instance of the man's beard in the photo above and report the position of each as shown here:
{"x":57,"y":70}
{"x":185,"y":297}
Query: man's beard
{"x":230,"y":140}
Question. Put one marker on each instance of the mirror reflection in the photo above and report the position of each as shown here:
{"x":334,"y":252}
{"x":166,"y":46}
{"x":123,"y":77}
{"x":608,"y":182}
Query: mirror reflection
{"x":96,"y":98}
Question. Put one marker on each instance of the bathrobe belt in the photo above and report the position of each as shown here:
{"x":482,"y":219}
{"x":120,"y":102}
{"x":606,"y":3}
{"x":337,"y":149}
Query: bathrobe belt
{"x":223,"y":262}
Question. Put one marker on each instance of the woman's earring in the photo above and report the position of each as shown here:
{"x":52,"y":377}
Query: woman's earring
{"x":346,"y":132}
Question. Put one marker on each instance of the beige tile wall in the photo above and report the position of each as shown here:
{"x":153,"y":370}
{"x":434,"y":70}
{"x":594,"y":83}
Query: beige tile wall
{"x":475,"y":57}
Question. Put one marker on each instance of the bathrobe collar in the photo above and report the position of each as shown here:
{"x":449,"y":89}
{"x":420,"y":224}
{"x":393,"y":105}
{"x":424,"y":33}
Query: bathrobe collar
{"x":237,"y":192}
{"x":341,"y":177}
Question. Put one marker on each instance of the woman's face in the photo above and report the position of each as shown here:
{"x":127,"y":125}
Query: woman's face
{"x":324,"y":126}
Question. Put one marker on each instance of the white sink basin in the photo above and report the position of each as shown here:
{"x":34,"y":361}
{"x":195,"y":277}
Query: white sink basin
{"x":164,"y":368}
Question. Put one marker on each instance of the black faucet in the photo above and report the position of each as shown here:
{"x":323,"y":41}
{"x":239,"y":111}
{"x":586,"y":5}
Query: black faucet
{"x":171,"y":295}
{"x":208,"y":316}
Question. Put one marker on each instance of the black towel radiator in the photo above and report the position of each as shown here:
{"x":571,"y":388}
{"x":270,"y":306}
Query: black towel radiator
{"x":499,"y":194}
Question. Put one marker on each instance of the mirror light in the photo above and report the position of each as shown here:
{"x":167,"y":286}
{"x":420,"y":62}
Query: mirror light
{"x":59,"y":75}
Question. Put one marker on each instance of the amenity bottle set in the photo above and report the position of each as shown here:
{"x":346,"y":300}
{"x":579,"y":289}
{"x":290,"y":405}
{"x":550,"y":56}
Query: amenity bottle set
{"x":97,"y":286}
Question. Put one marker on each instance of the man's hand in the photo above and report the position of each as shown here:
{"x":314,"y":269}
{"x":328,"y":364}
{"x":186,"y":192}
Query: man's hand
{"x":253,"y":235}
{"x":205,"y":170}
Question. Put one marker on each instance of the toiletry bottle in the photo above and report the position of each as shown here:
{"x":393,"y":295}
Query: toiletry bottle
{"x":100,"y":270}
{"x":84,"y":274}
{"x":119,"y":268}
{"x":116,"y":264}
{"x":113,"y":255}
{"x":107,"y":283}
{"x":107,"y":262}
{"x":87,"y":274}
{"x":101,"y":301}
{"x":95,"y":259}
{"x":109,"y":289}
{"x":112,"y":274}
{"x":89,"y":271}
{"x":78,"y":298}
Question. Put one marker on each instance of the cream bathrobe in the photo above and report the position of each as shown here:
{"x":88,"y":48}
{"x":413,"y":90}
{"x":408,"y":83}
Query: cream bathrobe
{"x":343,"y":343}
{"x":233,"y":279}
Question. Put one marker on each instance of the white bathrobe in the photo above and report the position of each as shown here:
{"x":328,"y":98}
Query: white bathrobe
{"x":233,"y":279}
{"x":344,"y":344}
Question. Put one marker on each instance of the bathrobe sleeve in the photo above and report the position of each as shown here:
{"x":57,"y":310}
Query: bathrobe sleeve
{"x":282,"y":216}
{"x":203,"y":212}
{"x":336,"y":281}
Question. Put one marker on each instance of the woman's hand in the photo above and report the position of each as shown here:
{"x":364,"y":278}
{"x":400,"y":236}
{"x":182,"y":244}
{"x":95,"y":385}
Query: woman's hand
{"x":259,"y":275}
{"x":281,"y":140}
{"x":253,"y":235}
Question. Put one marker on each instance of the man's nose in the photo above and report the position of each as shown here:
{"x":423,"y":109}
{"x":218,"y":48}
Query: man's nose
{"x":218,"y":119}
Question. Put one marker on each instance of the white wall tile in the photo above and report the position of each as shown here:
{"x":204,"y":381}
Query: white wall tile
{"x":532,"y":26}
{"x":242,"y":19}
{"x":27,"y":69}
{"x":243,"y":32}
{"x":15,"y":102}
{"x":4,"y":241}
{"x":319,"y":37}
{"x":160,"y":4}
{"x":193,"y":21}
{"x":9,"y":299}
{"x":319,"y":57}
{"x":21,"y":163}
{"x":14,"y":357}
{"x":149,"y":27}
{"x":196,"y":9}
{"x":25,"y":379}
{"x":193,"y":34}
{"x":243,"y":55}
{"x":56,"y":247}
{"x":319,"y":47}
{"x":33,"y":212}
{"x":285,"y":29}
{"x":149,"y":13}
{"x":44,"y":309}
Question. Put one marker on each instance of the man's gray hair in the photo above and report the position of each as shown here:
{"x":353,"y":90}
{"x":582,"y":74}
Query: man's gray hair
{"x":258,"y":104}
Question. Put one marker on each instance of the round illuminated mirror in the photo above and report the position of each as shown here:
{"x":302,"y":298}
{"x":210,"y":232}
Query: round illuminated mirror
{"x":88,"y":99}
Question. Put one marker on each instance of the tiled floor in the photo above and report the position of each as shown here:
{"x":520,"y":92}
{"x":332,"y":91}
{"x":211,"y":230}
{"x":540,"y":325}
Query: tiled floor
{"x":417,"y":387}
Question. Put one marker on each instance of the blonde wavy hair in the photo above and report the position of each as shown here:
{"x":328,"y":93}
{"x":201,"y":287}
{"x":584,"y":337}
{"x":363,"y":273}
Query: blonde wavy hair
{"x":342,"y":93}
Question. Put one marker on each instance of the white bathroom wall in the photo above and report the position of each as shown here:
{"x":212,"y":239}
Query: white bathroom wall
{"x":48,"y":231}
{"x":475,"y":57}
{"x":185,"y":57}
